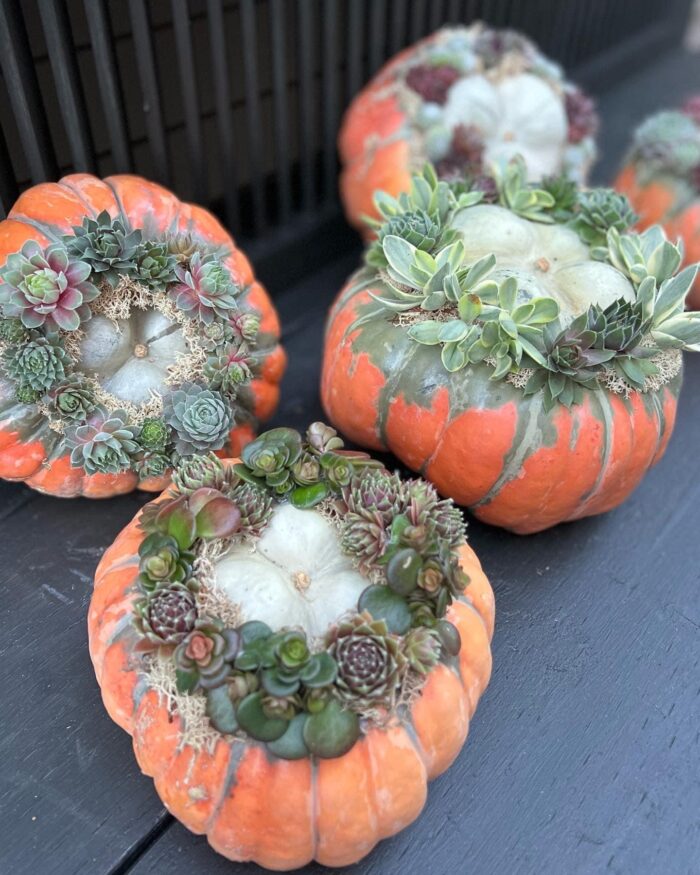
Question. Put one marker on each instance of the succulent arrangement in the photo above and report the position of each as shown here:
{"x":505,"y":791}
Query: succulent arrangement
{"x":302,"y":696}
{"x":464,"y":109}
{"x":668,"y":143}
{"x":475,"y":312}
{"x":54,"y":305}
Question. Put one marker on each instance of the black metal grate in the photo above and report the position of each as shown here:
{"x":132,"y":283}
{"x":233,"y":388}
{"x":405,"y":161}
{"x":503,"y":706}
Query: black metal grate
{"x":236,"y":103}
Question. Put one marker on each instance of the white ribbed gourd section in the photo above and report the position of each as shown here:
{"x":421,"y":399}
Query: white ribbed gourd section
{"x":295,"y":575}
{"x":547,"y":260}
{"x":518,"y":115}
{"x":130,"y":358}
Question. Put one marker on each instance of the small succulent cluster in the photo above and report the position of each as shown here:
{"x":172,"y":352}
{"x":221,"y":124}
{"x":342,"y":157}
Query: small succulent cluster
{"x":669,"y":143}
{"x":272,"y":685}
{"x":441,"y":64}
{"x":45,"y":294}
{"x":306,"y":470}
{"x":422,"y":271}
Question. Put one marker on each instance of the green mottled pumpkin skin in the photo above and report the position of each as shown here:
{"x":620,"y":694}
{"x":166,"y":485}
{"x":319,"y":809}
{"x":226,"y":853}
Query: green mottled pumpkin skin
{"x":480,"y":441}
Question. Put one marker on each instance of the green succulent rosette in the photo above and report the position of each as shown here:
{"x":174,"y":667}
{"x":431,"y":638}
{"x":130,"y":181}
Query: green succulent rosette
{"x":300,"y":691}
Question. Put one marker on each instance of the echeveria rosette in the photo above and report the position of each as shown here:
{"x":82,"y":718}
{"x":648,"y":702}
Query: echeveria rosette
{"x":597,"y":211}
{"x":12,"y":331}
{"x":72,"y":400}
{"x":201,"y":418}
{"x":107,"y":246}
{"x":166,"y":615}
{"x":254,"y":505}
{"x":162,"y":560}
{"x":46,"y":287}
{"x":155,"y":266}
{"x":271,"y":457}
{"x":154,"y":434}
{"x":377,"y":492}
{"x":205,"y":657}
{"x":206,"y":470}
{"x":39,"y":364}
{"x":229,"y":368}
{"x":155,"y":464}
{"x":205,"y":289}
{"x":422,"y":647}
{"x":105,"y":444}
{"x":370,"y":662}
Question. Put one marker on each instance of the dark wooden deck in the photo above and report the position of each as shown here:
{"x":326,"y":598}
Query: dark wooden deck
{"x":583,"y":756}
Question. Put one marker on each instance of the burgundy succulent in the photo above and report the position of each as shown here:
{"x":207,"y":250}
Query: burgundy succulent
{"x":168,"y":615}
{"x":581,"y":115}
{"x":691,"y":107}
{"x":432,"y":82}
{"x":465,"y":154}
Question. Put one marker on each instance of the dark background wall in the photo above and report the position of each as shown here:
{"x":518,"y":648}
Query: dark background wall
{"x":236,"y":103}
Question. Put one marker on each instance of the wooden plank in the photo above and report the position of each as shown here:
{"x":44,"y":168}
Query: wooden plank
{"x":70,"y":793}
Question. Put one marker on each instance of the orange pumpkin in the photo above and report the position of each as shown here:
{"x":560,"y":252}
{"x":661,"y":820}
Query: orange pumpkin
{"x":517,"y":453}
{"x":661,"y":178}
{"x":463,"y":98}
{"x":251,"y":804}
{"x":30,"y":450}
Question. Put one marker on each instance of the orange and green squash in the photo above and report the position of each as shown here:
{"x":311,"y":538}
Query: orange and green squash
{"x":297,"y":643}
{"x":661,"y":178}
{"x":521,"y":350}
{"x":132,"y":332}
{"x":463,"y":98}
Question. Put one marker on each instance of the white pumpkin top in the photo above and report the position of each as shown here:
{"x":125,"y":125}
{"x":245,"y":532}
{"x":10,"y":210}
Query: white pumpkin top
{"x":294,"y":575}
{"x":130,"y":358}
{"x":547,"y":259}
{"x":520,"y":115}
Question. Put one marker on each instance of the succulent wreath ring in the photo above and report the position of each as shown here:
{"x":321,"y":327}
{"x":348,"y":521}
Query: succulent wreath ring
{"x":132,"y":334}
{"x":298,"y":592}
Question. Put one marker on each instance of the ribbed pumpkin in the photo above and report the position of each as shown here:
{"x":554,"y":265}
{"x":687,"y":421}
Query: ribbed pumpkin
{"x":518,"y":453}
{"x":661,"y":177}
{"x":463,"y":98}
{"x":252,"y":805}
{"x":32,"y":452}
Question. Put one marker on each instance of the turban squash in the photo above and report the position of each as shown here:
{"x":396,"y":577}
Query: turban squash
{"x":252,"y":801}
{"x":462,"y":98}
{"x":661,"y":178}
{"x":127,"y":352}
{"x":527,"y":425}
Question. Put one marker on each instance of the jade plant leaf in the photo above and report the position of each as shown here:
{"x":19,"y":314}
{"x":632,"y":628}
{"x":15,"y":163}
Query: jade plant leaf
{"x":220,"y":710}
{"x":291,"y":745}
{"x":402,"y":571}
{"x":253,"y":720}
{"x":320,"y":671}
{"x":331,"y":732}
{"x":384,"y":604}
{"x":305,"y":497}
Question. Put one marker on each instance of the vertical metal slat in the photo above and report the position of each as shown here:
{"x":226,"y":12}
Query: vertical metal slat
{"x":377,"y":29}
{"x":59,"y":44}
{"x":306,"y":84}
{"x":280,"y":120}
{"x":417,"y":20}
{"x":25,"y":96}
{"x":354,"y":73}
{"x":437,"y":14}
{"x":222,"y":96}
{"x":398,"y":26}
{"x":252,"y":107}
{"x":8,"y":184}
{"x":330,"y":98}
{"x":190,"y":101}
{"x":108,"y":82}
{"x":146,"y":66}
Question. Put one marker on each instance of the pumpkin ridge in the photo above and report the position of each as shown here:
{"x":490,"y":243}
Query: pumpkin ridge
{"x":523,"y":446}
{"x":607,"y":419}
